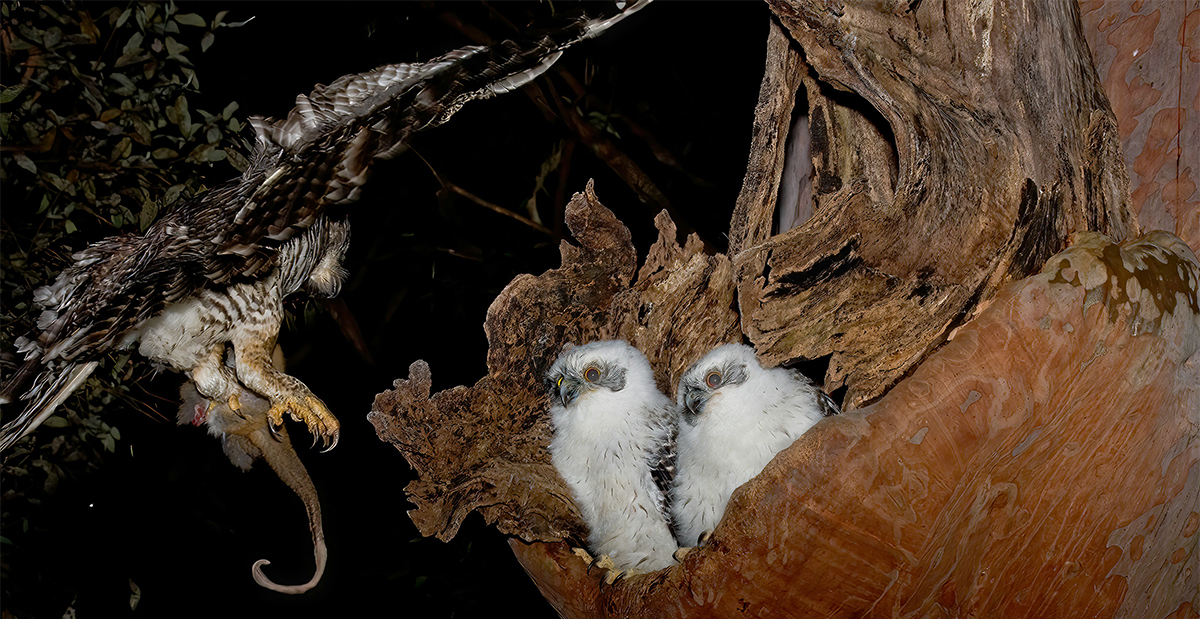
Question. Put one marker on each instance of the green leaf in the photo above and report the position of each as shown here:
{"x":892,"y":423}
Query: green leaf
{"x":229,"y":110}
{"x":192,"y":80}
{"x":148,"y":214}
{"x":141,"y":130}
{"x":219,"y":18}
{"x":115,"y":433}
{"x":164,"y":153}
{"x":25,"y":162}
{"x":207,"y":41}
{"x":123,"y":18}
{"x":54,"y":421}
{"x":51,"y":13}
{"x":10,"y":93}
{"x":191,"y":19}
{"x":175,"y":48}
{"x":53,"y":37}
{"x":69,"y":227}
{"x":238,"y":24}
{"x":171,"y":196}
{"x":127,"y":86}
{"x":110,"y":444}
{"x":133,"y":45}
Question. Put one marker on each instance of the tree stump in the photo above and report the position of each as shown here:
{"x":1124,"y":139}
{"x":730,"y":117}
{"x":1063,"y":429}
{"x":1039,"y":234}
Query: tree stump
{"x":1020,"y":434}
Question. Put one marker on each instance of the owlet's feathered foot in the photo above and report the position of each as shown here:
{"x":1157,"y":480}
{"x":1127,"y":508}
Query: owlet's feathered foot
{"x":603,"y":562}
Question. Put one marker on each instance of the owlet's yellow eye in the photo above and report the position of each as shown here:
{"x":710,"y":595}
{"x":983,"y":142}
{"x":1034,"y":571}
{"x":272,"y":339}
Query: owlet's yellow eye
{"x":559,"y":383}
{"x":591,"y":375}
{"x":713,"y":380}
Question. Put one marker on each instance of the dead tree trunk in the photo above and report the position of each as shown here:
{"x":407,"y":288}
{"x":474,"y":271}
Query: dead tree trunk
{"x":1021,"y":426}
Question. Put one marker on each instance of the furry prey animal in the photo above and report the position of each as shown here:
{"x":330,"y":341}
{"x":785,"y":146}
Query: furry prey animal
{"x":612,"y":427}
{"x":246,"y":437}
{"x":734,"y":416}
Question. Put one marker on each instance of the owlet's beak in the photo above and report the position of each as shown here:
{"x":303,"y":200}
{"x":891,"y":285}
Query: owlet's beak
{"x":694,"y":401}
{"x":568,"y":390}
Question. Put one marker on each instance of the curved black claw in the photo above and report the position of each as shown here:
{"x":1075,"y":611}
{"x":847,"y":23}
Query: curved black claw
{"x":329,"y":446}
{"x":274,"y":430}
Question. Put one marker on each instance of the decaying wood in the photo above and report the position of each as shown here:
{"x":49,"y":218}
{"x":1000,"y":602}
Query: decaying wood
{"x":957,"y":147}
{"x":484,"y":447}
{"x":1042,"y":463}
{"x":1016,"y":443}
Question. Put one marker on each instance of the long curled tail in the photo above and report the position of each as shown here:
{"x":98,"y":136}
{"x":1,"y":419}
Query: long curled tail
{"x":284,"y":461}
{"x":246,"y":437}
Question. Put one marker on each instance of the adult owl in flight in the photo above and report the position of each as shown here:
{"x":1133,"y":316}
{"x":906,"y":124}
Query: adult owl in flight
{"x":612,"y":432}
{"x":734,"y":415}
{"x":213,"y":272}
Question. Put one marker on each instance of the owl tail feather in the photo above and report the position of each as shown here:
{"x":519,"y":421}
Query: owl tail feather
{"x":16,"y":383}
{"x":49,"y":390}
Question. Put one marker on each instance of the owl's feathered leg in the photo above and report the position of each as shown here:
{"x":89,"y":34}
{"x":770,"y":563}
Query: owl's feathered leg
{"x":216,"y":381}
{"x":252,"y":354}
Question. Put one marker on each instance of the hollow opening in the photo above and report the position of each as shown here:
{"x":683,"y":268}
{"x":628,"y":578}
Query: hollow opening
{"x":794,"y":203}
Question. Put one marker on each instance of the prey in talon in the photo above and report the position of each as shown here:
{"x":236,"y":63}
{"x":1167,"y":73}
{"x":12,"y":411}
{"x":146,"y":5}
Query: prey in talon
{"x":221,"y":337}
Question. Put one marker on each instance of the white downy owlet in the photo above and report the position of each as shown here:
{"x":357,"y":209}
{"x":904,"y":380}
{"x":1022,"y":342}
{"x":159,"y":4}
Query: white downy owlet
{"x":611,"y":430}
{"x":733,"y":417}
